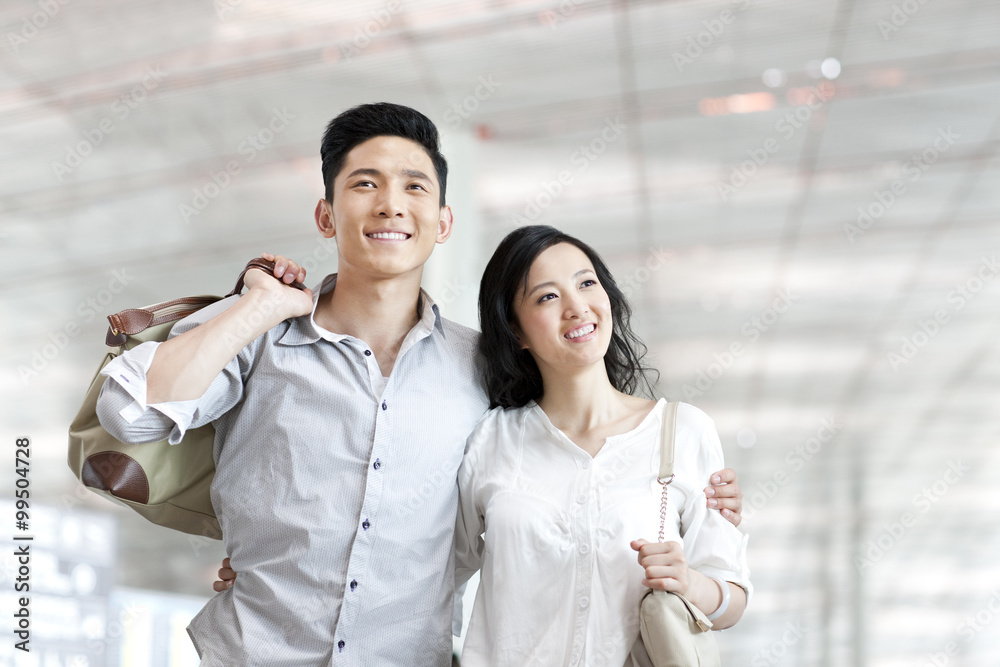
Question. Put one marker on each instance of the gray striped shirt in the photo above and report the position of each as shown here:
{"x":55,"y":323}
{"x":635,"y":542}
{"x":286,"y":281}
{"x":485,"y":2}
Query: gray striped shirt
{"x":337,"y":503}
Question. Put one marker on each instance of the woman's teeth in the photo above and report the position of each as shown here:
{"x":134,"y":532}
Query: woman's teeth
{"x":582,"y":331}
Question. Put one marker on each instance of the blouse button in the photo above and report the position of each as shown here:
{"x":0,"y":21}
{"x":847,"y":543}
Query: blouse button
{"x":584,"y":602}
{"x":584,"y":548}
{"x":585,"y":465}
{"x":581,"y":499}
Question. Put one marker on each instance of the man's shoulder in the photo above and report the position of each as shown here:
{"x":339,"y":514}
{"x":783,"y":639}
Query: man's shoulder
{"x":451,"y":327}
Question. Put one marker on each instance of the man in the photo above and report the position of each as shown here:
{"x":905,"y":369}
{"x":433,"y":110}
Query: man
{"x":341,"y":419}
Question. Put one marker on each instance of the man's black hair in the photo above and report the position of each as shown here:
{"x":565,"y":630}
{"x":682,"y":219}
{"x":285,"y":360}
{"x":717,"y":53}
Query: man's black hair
{"x":383,"y":119}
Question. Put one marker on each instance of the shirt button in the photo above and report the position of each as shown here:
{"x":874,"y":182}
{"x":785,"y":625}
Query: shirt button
{"x":365,"y":524}
{"x":384,"y":406}
{"x":584,"y":602}
{"x":368,"y":353}
{"x":377,"y":464}
{"x":354,"y":584}
{"x":581,"y":499}
{"x":340,"y":644}
{"x":584,"y":548}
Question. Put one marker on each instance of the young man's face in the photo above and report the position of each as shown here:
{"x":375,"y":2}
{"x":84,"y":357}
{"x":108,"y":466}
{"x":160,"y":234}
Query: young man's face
{"x":385,"y":213}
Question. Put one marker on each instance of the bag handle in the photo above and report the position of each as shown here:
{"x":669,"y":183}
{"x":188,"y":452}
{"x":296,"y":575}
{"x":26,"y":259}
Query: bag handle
{"x":132,"y":321}
{"x":667,"y":436}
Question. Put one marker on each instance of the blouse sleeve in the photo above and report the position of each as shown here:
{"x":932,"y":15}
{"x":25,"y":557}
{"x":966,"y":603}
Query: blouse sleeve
{"x":712,"y":545}
{"x":470,"y":522}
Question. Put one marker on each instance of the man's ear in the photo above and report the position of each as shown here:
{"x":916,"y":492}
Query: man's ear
{"x":445,"y":224}
{"x":324,"y":219}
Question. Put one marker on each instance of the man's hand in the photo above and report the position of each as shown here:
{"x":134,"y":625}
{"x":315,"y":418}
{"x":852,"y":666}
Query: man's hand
{"x":285,"y":269}
{"x":292,"y":303}
{"x":726,"y":495}
{"x":227,"y":575}
{"x":665,"y":566}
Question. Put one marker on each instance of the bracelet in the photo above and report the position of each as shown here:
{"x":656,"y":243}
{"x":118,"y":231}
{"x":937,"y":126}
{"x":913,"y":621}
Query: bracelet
{"x":724,"y":605}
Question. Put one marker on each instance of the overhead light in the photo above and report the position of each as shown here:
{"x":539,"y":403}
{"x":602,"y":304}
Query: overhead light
{"x":746,"y":438}
{"x":774,"y":78}
{"x":830,"y":68}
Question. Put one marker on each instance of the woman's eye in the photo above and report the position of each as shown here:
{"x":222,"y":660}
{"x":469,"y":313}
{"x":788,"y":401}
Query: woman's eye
{"x":546,"y":297}
{"x":588,"y":283}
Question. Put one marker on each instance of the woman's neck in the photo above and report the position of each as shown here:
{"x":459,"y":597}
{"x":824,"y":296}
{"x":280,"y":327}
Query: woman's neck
{"x":583,"y":400}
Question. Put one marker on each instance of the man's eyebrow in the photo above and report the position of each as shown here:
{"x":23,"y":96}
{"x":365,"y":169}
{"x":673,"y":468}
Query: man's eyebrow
{"x":552,"y":284}
{"x":364,"y":171}
{"x":369,"y":171}
{"x":413,"y":173}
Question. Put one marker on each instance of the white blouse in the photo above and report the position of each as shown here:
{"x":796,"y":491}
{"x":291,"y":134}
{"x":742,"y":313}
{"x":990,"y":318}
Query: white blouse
{"x":550,"y":528}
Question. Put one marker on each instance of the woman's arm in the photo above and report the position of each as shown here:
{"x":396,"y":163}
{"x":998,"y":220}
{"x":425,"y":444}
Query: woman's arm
{"x":666,"y":569}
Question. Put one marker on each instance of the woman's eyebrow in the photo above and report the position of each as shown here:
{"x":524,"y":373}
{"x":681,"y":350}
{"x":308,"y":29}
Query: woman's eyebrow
{"x":551,"y":283}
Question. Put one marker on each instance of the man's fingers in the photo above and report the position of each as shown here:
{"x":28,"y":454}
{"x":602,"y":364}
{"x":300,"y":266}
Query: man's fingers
{"x":734,"y":504}
{"x":723,"y":491}
{"x":724,"y":476}
{"x":225,"y":562}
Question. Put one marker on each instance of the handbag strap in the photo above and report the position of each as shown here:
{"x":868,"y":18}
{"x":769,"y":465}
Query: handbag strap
{"x":132,"y":321}
{"x":667,"y":436}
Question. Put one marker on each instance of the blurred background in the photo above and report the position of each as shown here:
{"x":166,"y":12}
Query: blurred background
{"x":801,"y":199}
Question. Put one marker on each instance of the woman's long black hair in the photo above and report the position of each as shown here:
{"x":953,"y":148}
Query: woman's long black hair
{"x":512,"y":376}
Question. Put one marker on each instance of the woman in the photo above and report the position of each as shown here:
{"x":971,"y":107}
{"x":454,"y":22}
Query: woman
{"x":558,"y":495}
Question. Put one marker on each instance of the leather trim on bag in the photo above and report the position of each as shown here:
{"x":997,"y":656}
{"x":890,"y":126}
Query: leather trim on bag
{"x":117,"y":473}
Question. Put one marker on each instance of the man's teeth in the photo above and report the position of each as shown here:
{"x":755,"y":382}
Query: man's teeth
{"x":392,"y":236}
{"x":583,"y":331}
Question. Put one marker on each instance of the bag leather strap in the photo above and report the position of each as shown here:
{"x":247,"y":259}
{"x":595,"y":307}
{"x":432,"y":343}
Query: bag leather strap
{"x":667,"y":436}
{"x":667,"y":440}
{"x":132,"y":321}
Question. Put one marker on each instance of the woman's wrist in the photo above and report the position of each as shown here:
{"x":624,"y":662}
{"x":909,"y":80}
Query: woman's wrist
{"x":726,"y":596}
{"x":704,"y":592}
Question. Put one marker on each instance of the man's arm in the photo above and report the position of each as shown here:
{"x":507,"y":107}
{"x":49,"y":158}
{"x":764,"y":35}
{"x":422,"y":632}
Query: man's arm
{"x":184,"y":366}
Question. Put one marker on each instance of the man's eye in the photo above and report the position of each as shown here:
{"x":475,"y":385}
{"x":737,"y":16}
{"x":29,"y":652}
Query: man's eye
{"x":365,"y":183}
{"x":417,"y":185}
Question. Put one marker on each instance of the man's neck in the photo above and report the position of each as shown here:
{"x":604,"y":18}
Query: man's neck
{"x":379,"y":312}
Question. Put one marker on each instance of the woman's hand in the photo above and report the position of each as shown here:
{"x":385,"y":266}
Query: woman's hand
{"x":667,"y":570}
{"x":665,"y":565}
{"x":227,"y":575}
{"x":726,"y":495}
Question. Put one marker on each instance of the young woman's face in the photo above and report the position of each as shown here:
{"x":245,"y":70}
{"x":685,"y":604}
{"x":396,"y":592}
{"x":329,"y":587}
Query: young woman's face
{"x":564,"y":314}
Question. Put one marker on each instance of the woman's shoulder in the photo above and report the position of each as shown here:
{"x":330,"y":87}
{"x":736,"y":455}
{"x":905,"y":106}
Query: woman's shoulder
{"x":693,"y":417}
{"x":498,"y":422}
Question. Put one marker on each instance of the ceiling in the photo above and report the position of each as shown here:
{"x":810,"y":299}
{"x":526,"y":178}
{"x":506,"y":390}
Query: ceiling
{"x":812,"y":261}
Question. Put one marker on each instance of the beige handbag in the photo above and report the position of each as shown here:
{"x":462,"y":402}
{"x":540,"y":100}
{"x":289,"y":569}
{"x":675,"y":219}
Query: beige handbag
{"x":167,"y":484}
{"x":674,"y":632}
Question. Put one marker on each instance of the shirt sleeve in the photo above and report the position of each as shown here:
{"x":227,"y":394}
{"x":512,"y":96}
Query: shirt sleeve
{"x":122,"y":408}
{"x":712,"y":545}
{"x":470,"y":522}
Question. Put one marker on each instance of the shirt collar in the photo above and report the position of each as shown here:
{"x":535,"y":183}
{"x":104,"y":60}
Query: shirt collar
{"x":303,"y":330}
